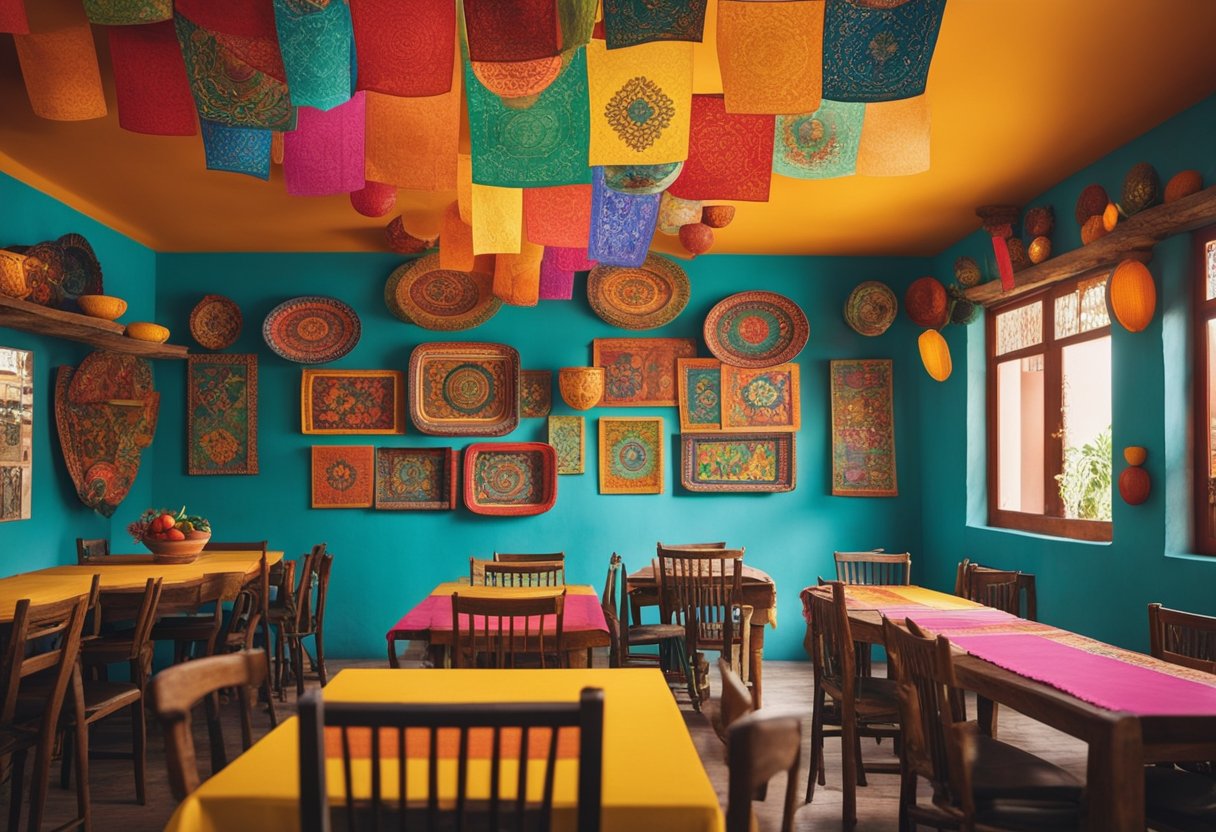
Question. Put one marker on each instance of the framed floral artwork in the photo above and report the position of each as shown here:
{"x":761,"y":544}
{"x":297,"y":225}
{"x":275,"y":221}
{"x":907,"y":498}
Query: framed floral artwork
{"x":417,"y":479}
{"x":222,"y":414}
{"x":640,"y":372}
{"x":343,"y":476}
{"x":699,"y":386}
{"x":535,"y":393}
{"x":722,"y":462}
{"x":761,"y":400}
{"x":16,"y":433}
{"x":631,"y":455}
{"x":352,"y":401}
{"x":863,"y":429}
{"x":566,"y":437}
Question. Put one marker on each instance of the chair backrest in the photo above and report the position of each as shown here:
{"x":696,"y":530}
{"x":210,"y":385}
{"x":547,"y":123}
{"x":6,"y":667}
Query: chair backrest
{"x":736,"y":701}
{"x":308,"y":593}
{"x":833,"y":653}
{"x":136,"y":604}
{"x":1182,"y":638}
{"x":973,"y":579}
{"x":960,"y":577}
{"x":504,"y":632}
{"x":186,"y":596}
{"x":175,"y":692}
{"x":700,"y":588}
{"x":717,"y":544}
{"x":548,"y":573}
{"x":43,"y":638}
{"x":874,"y":568}
{"x":91,"y":549}
{"x":525,"y":735}
{"x":532,"y":557}
{"x":618,"y":633}
{"x":760,"y":746}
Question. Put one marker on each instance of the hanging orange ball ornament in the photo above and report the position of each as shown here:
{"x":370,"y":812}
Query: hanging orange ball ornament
{"x":697,"y":237}
{"x":935,"y":355}
{"x":1134,"y":485}
{"x":1133,"y":295}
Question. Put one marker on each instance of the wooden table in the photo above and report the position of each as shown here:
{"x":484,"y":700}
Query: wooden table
{"x":583,"y":629}
{"x":1120,"y":743}
{"x":759,"y":592}
{"x":663,"y":788}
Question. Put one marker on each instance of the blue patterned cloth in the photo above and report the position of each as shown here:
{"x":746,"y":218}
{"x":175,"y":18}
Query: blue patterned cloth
{"x":318,"y":47}
{"x":872,"y":53}
{"x":236,"y":149}
{"x":622,"y":225}
{"x":821,"y":145}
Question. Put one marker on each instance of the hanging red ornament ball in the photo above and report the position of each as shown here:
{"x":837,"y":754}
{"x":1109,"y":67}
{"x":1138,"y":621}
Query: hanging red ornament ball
{"x":375,"y":199}
{"x":402,"y":241}
{"x":1134,"y":485}
{"x":697,"y":237}
{"x":926,"y":302}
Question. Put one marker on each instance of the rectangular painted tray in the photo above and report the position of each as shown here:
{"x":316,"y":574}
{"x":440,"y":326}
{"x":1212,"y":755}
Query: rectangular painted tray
{"x":510,"y":479}
{"x":416,"y":479}
{"x":721,"y":462}
{"x":464,"y":388}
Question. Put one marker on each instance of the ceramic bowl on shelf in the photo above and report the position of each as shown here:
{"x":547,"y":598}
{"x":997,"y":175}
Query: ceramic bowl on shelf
{"x":176,"y":551}
{"x":106,"y":307}
{"x":144,"y":331}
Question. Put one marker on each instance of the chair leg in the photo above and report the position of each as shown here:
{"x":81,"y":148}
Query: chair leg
{"x":298,"y":664}
{"x":278,"y":662}
{"x":65,"y":763}
{"x":40,"y":782}
{"x":815,"y":766}
{"x":319,"y":639}
{"x":17,"y":786}
{"x":139,"y":747}
{"x":243,"y":695}
{"x":81,"y":736}
{"x":849,"y":764}
{"x":861,"y":766}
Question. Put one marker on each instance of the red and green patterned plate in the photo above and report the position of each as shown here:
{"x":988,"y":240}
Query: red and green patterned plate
{"x":312,"y":329}
{"x":446,"y":300}
{"x":510,"y":479}
{"x":215,"y":322}
{"x":756,"y":329}
{"x":641,"y":297}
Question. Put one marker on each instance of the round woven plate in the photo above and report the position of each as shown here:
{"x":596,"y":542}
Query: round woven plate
{"x":311,"y":329}
{"x":440,"y":299}
{"x":641,"y":297}
{"x":215,"y":322}
{"x":71,"y":270}
{"x":756,"y":329}
{"x":871,"y":308}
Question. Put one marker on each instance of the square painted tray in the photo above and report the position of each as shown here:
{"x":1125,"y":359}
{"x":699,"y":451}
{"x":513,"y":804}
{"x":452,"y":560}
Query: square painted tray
{"x":464,"y":388}
{"x":416,"y":479}
{"x":722,"y":462}
{"x":510,"y":479}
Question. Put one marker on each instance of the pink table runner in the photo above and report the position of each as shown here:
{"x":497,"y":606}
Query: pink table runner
{"x":583,"y":612}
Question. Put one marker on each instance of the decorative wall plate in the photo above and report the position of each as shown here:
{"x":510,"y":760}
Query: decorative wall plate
{"x":464,"y":388}
{"x":352,"y":401}
{"x":631,"y":455}
{"x":642,"y":297}
{"x":766,"y":399}
{"x":215,"y":322}
{"x":446,"y":300}
{"x":737,"y":462}
{"x":312,"y":329}
{"x":343,"y":476}
{"x":871,"y":308}
{"x":640,"y":372}
{"x":699,"y":381}
{"x":756,"y":329}
{"x":416,"y":479}
{"x":510,"y":479}
{"x":68,"y":269}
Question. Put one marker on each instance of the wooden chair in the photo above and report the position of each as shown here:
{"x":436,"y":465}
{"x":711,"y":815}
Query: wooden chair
{"x":42,"y":639}
{"x":177,"y":690}
{"x":735,"y":701}
{"x":538,"y":557}
{"x":192,"y":613}
{"x":760,"y":746}
{"x":672,"y":655}
{"x":396,"y":730}
{"x":309,"y":619}
{"x":508,"y":632}
{"x":546,"y":573}
{"x":972,"y":580}
{"x":873,"y":568}
{"x":866,"y":704}
{"x":1182,"y":638}
{"x":717,"y":544}
{"x":978,"y":782}
{"x":91,"y":549}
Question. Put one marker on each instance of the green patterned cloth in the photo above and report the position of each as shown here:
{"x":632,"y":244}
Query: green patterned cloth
{"x":317,"y":42}
{"x":127,"y":12}
{"x":630,"y":22}
{"x":537,"y":146}
{"x":878,"y":52}
{"x":577,"y":18}
{"x":821,"y":145}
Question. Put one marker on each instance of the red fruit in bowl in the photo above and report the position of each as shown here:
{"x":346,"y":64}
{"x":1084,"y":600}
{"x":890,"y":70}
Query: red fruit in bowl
{"x":167,"y":522}
{"x":175,"y":534}
{"x":197,"y":535}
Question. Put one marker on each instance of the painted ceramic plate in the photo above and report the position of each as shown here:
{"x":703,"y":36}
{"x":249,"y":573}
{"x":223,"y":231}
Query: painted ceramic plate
{"x":871,"y":308}
{"x":756,"y":329}
{"x":312,"y":329}
{"x":464,"y":388}
{"x":215,"y":322}
{"x":70,"y":270}
{"x":510,"y":479}
{"x":440,"y":299}
{"x":641,"y":179}
{"x":642,"y":297}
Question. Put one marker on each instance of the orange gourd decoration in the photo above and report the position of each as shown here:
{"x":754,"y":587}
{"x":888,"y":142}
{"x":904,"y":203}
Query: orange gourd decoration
{"x":1133,"y":295}
{"x":1093,"y":229}
{"x":1110,"y":217}
{"x":1184,"y":183}
{"x":935,"y":355}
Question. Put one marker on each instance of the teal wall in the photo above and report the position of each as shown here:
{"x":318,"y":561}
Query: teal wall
{"x":387,"y":561}
{"x":28,"y":216}
{"x":1099,"y":589}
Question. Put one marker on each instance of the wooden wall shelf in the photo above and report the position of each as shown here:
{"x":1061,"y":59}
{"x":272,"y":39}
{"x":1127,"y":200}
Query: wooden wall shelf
{"x":106,"y":335}
{"x":1133,"y":238}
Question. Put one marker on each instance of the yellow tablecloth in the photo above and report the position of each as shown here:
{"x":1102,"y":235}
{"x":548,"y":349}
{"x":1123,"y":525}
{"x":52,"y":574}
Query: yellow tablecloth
{"x":653,"y":778}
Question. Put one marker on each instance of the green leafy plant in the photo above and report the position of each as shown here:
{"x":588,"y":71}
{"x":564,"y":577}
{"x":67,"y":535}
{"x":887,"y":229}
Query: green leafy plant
{"x":1085,"y":483}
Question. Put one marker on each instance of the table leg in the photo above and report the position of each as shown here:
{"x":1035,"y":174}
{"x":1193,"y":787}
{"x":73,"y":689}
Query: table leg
{"x":393,"y":661}
{"x":1115,"y":778}
{"x":985,"y":714}
{"x":757,"y":662}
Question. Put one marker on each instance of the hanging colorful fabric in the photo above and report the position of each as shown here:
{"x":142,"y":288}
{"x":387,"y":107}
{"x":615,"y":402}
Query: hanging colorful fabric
{"x":895,"y":138}
{"x":455,"y":241}
{"x":412,"y":142}
{"x":13,"y":19}
{"x":150,"y":80}
{"x":770,"y":55}
{"x":404,"y":48}
{"x":821,"y":145}
{"x":128,"y":12}
{"x":558,"y":216}
{"x":511,"y":30}
{"x":640,"y":103}
{"x":517,"y":276}
{"x":239,"y":18}
{"x":324,"y":154}
{"x":541,"y":145}
{"x":577,"y":20}
{"x":497,"y":219}
{"x":622,"y":225}
{"x":464,"y":187}
{"x":573,"y":259}
{"x":730,"y":156}
{"x":236,"y":149}
{"x":316,"y":42}
{"x":878,"y":51}
{"x":631,"y":22}
{"x":556,"y":281}
{"x":60,"y":71}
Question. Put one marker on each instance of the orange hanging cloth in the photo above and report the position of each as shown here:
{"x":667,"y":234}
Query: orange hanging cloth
{"x":59,"y":63}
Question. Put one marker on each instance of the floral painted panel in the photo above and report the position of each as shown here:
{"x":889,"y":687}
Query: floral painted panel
{"x":535,"y":393}
{"x":766,"y":399}
{"x":566,"y":437}
{"x":416,"y":478}
{"x":222,"y":414}
{"x":640,"y":372}
{"x":863,"y":429}
{"x":631,"y":455}
{"x":737,"y":462}
{"x":343,"y":476}
{"x":352,"y":401}
{"x":700,"y":388}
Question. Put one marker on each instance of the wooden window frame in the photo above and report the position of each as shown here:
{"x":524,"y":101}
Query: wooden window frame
{"x":1051,"y":522}
{"x":1204,"y":311}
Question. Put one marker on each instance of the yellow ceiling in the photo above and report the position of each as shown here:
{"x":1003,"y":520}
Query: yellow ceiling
{"x":1023,"y":93}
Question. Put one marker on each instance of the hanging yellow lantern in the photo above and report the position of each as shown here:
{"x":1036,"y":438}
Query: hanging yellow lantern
{"x":1133,"y":295}
{"x":935,"y":354}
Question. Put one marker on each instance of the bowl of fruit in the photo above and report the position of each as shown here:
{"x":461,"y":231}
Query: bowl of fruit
{"x":171,"y":536}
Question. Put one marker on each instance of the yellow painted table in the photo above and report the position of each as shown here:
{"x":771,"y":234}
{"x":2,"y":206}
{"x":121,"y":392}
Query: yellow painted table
{"x":653,"y":778}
